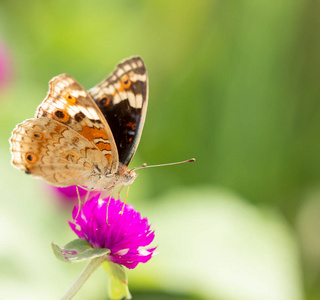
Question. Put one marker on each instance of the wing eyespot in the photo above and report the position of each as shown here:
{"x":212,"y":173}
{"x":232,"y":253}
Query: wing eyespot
{"x":104,"y":101}
{"x":126,"y":82}
{"x":38,"y":135}
{"x":31,"y":158}
{"x":61,"y":116}
{"x":70,"y":99}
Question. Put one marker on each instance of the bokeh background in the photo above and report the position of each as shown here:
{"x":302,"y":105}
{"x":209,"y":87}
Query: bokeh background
{"x":233,"y":84}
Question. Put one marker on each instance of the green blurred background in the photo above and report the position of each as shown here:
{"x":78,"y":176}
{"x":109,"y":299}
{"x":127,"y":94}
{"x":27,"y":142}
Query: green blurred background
{"x":233,"y":84}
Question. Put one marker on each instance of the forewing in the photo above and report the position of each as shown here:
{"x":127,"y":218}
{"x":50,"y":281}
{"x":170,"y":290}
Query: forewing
{"x":69,"y":104}
{"x":123,"y":99}
{"x":48,"y":149}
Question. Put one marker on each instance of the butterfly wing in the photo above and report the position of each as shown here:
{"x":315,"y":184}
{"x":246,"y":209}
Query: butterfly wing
{"x":49,"y":149}
{"x":123,"y":99}
{"x":69,"y":104}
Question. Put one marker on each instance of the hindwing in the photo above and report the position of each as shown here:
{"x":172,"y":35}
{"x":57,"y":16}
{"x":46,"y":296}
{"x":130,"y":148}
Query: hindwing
{"x":46,"y":148}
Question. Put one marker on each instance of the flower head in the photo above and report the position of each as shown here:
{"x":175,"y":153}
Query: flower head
{"x":69,"y":194}
{"x":5,"y":66}
{"x":124,"y":234}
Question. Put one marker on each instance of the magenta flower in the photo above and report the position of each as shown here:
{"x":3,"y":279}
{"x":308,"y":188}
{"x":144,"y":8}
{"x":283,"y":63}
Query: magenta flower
{"x":69,"y":194}
{"x":5,"y":66}
{"x":125,"y":234}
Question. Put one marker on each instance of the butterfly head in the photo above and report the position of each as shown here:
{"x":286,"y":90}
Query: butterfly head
{"x":126,"y":176}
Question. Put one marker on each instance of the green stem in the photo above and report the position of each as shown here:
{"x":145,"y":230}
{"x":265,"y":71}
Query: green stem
{"x":83,"y":276}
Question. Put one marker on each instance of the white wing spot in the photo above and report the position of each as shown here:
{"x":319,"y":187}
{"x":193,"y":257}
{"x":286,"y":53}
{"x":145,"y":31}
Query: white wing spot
{"x":127,"y":68}
{"x":141,"y":77}
{"x":131,"y":99}
{"x":116,"y":99}
{"x":123,"y":95}
{"x":120,"y":72}
{"x":93,"y":113}
{"x":77,"y":93}
{"x":73,"y":110}
{"x":138,"y":101}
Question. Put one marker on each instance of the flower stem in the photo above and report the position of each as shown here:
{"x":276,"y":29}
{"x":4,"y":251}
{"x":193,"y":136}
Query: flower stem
{"x":83,"y":276}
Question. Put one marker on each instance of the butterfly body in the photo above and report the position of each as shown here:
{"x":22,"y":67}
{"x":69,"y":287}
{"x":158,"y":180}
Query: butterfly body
{"x":71,"y":141}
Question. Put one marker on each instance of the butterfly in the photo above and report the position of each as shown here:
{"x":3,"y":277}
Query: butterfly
{"x":85,"y":138}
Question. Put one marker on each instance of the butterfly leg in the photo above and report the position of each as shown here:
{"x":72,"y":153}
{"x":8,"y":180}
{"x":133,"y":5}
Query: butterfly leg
{"x":107,"y":212}
{"x":120,"y":190}
{"x":79,"y":201}
{"x":88,"y":192}
{"x":125,"y":200}
{"x":87,"y":196}
{"x":85,"y":188}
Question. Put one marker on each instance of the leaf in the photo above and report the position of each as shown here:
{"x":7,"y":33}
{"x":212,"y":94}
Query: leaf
{"x":118,"y":287}
{"x":78,"y":250}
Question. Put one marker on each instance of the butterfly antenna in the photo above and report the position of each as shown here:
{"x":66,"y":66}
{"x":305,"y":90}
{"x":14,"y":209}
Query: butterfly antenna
{"x":169,"y":164}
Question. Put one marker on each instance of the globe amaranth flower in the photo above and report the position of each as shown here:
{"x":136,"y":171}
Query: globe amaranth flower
{"x":124,"y":234}
{"x":5,"y":66}
{"x":69,"y":194}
